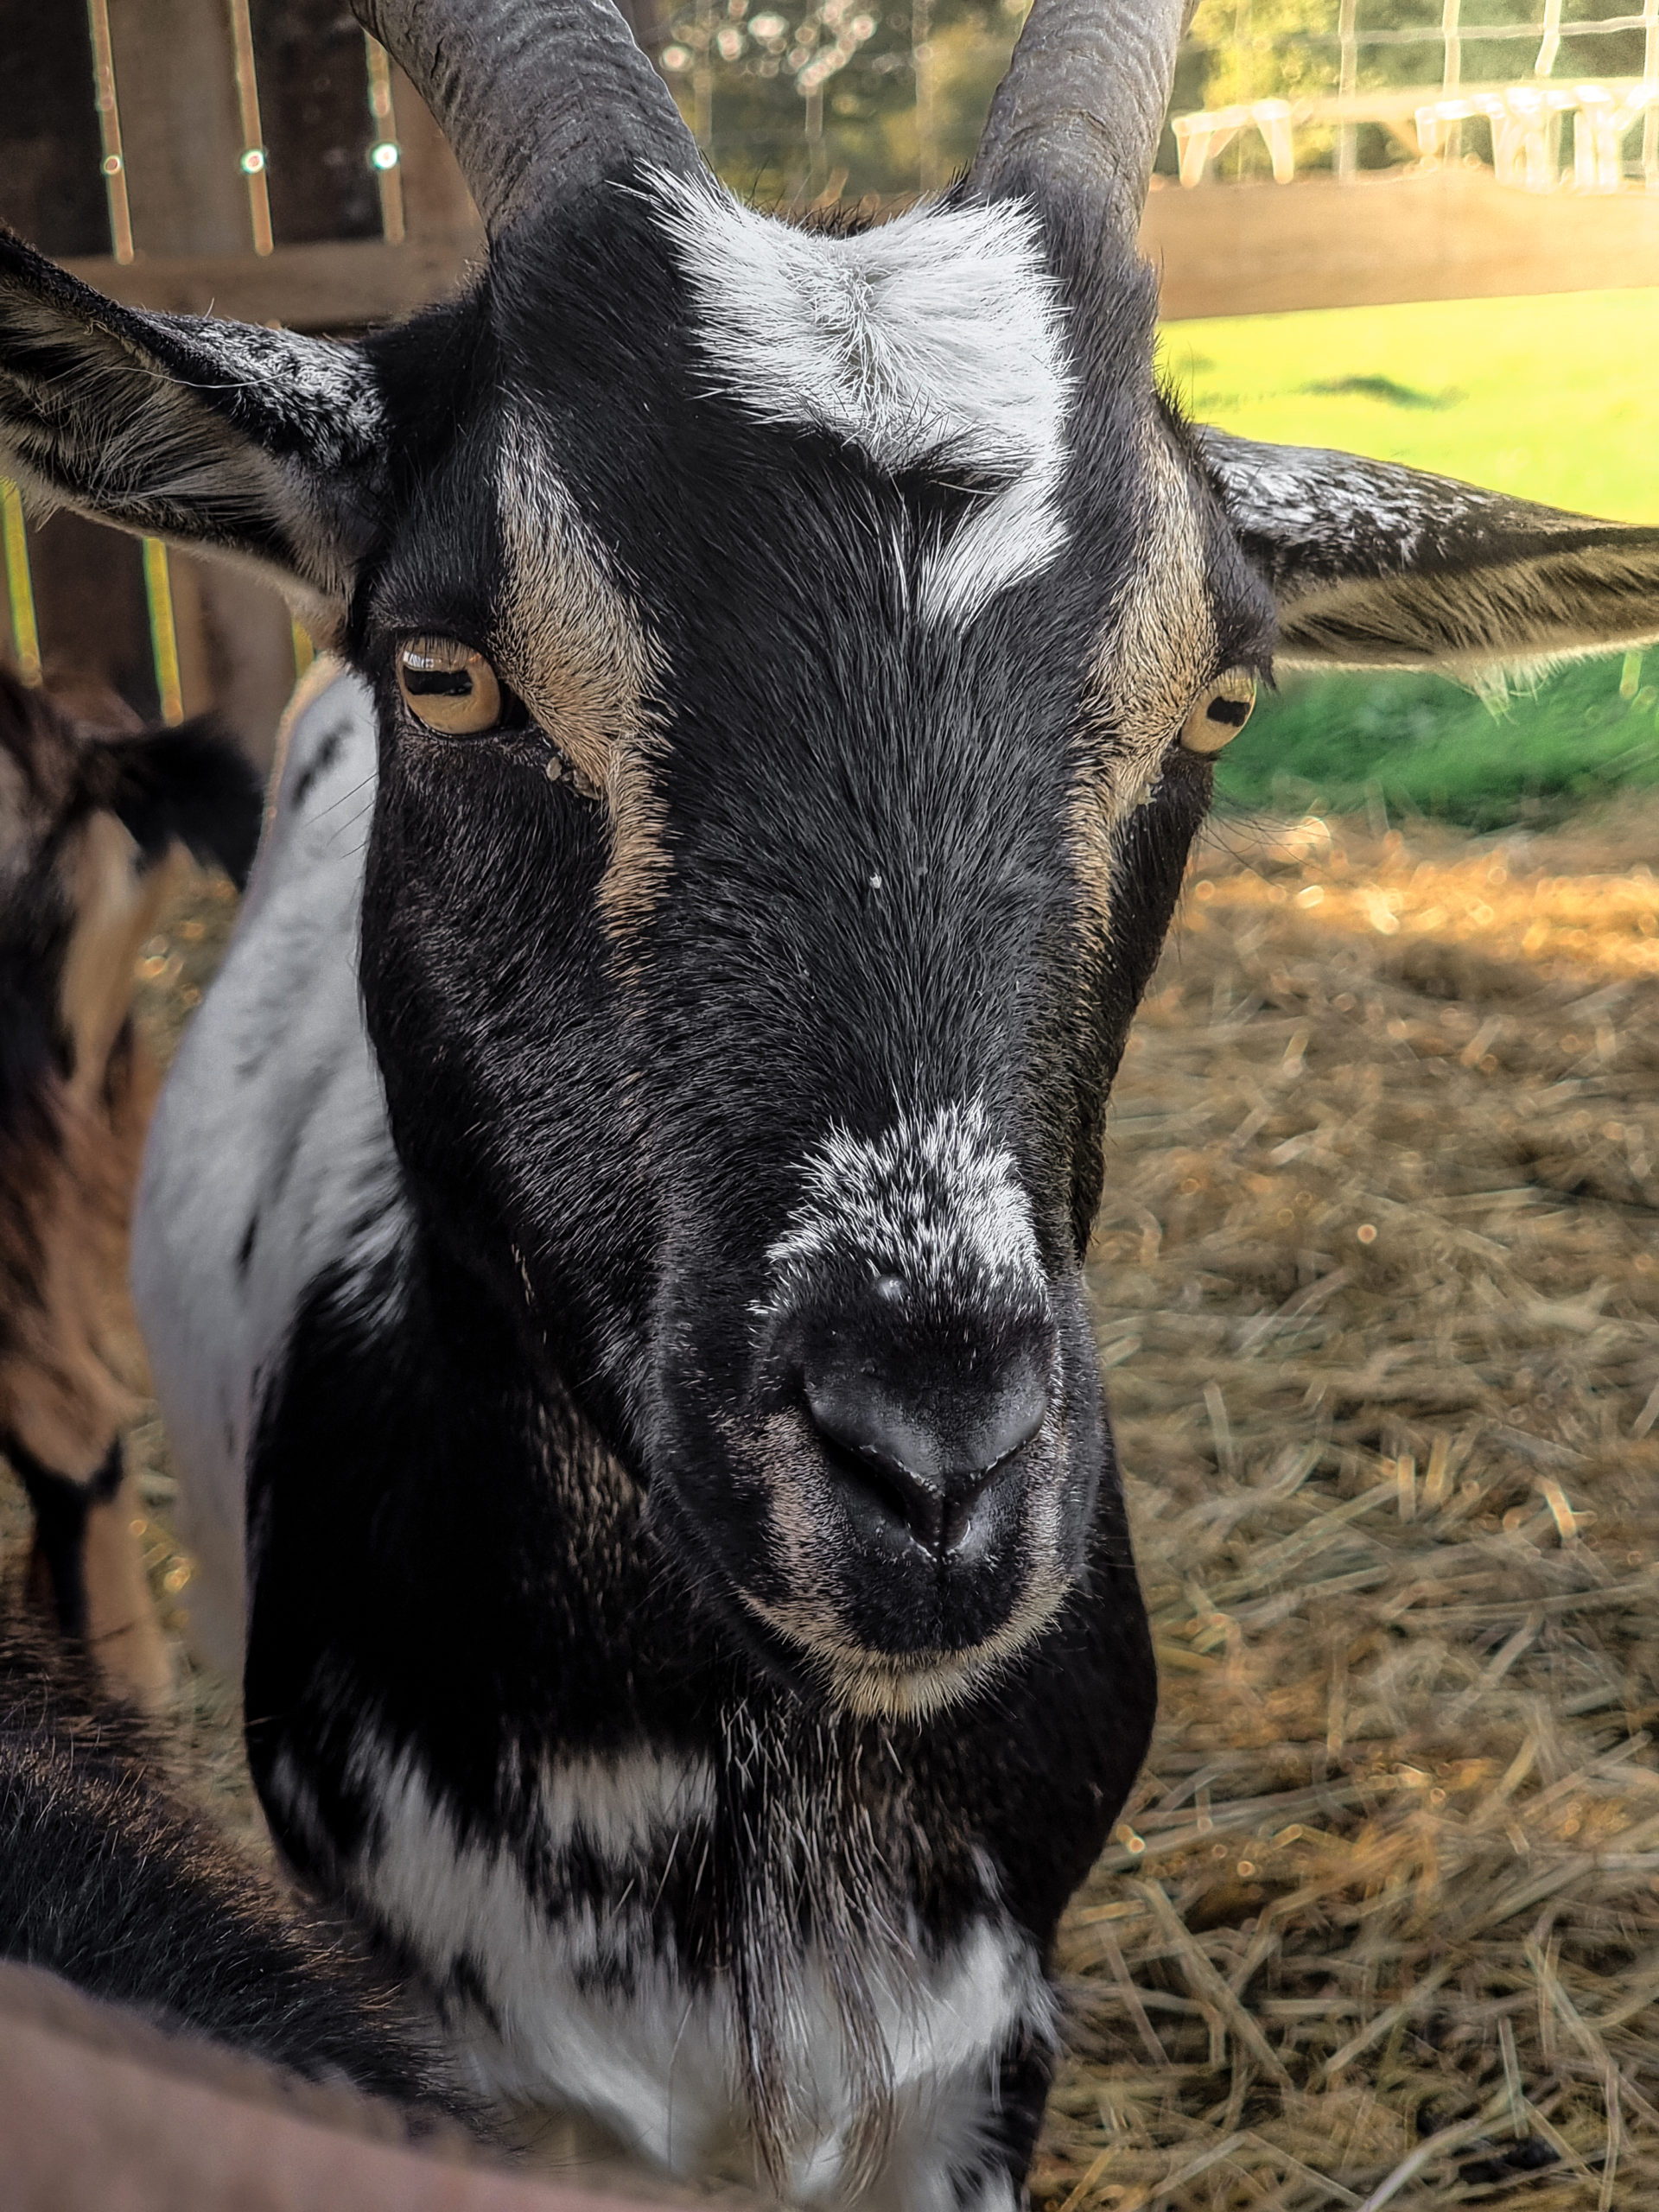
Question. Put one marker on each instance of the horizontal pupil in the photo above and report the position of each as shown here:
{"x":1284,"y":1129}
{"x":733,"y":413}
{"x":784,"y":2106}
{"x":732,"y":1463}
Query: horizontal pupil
{"x":437,"y":682}
{"x":1234,"y":712}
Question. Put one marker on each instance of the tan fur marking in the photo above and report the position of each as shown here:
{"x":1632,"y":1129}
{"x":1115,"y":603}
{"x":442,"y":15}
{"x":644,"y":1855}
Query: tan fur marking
{"x":583,"y":661}
{"x":116,"y":908}
{"x":1156,"y":654}
{"x":72,"y":1365}
{"x":324,"y":669}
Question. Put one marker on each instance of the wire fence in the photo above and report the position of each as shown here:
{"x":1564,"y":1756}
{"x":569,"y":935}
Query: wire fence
{"x":1361,"y":87}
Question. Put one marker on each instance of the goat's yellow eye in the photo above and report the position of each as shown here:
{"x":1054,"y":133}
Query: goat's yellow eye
{"x":1220,"y":713}
{"x":448,"y":686}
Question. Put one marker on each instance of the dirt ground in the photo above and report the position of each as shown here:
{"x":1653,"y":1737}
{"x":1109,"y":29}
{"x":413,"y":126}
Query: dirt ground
{"x":1377,"y":1286}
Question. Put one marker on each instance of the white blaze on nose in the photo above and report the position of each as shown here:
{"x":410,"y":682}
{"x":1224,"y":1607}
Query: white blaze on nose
{"x":933,"y":1202}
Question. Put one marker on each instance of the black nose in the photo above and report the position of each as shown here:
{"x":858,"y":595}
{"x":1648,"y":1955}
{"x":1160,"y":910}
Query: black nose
{"x":926,"y":1466}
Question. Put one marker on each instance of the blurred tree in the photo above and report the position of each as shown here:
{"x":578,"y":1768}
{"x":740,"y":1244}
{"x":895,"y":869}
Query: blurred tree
{"x":840,"y":98}
{"x":796,"y":101}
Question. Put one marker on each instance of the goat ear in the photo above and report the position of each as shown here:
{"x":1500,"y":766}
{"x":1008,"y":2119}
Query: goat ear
{"x":190,"y":787}
{"x":1374,"y":565}
{"x":220,"y":435}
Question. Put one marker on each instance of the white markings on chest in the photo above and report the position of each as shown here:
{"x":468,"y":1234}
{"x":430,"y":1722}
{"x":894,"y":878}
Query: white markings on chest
{"x":573,"y":2001}
{"x":270,"y":1160}
{"x":932,"y":341}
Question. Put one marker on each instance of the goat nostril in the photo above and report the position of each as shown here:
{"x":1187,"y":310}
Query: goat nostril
{"x":896,"y":1459}
{"x":1016,"y":1418}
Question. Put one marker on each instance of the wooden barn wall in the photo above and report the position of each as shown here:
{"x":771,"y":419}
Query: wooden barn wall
{"x":182,"y":141}
{"x":317,"y":126}
{"x":89,"y":584}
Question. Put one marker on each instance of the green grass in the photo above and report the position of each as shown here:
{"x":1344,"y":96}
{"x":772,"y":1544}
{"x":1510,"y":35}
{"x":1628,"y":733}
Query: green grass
{"x":1339,"y":744}
{"x":1551,"y":398}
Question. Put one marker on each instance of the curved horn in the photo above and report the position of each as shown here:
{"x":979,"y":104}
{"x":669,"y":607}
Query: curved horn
{"x":539,"y":99}
{"x":1079,"y":114}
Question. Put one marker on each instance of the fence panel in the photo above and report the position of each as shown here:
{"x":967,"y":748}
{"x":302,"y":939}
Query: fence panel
{"x":259,"y":155}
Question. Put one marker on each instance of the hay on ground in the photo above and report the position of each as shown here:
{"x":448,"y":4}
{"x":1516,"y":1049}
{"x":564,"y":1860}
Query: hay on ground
{"x":1377,"y":1284}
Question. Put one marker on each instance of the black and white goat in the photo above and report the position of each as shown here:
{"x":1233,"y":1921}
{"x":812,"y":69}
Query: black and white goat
{"x":610,"y":1243}
{"x":89,"y":826}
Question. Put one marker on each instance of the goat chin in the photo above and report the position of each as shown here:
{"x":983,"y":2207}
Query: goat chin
{"x":909,"y":1686}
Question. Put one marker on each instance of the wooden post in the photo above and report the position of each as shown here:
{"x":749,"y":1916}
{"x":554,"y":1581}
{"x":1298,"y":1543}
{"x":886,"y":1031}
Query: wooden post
{"x":80,"y":589}
{"x":1451,"y":78}
{"x":176,"y":81}
{"x":183,"y":141}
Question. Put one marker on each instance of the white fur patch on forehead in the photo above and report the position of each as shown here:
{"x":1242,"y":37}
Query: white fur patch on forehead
{"x":934,"y":1204}
{"x":934,"y":339}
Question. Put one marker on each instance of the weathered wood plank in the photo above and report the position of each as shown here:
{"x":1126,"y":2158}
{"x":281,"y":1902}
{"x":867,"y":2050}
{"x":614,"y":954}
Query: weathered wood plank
{"x":88,"y":585}
{"x":1451,"y":235}
{"x":328,"y":286}
{"x":1222,"y":250}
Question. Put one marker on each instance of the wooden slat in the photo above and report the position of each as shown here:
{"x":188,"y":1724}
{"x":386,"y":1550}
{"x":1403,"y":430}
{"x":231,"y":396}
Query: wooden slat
{"x":88,"y":583}
{"x":1267,"y":249}
{"x":173,"y":80}
{"x":1222,"y":250}
{"x":329,"y":286}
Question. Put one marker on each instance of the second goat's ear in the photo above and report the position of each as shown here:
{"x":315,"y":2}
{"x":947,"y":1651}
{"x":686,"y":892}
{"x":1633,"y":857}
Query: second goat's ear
{"x":224,"y":435}
{"x":1374,"y":565}
{"x":190,"y":787}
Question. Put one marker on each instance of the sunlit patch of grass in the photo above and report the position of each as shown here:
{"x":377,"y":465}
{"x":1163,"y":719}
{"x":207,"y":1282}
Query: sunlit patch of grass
{"x":1421,"y":746}
{"x":1550,"y":399}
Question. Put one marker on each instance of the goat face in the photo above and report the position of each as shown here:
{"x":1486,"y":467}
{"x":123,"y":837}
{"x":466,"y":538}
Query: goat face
{"x":796,"y":657}
{"x":766,"y":1040}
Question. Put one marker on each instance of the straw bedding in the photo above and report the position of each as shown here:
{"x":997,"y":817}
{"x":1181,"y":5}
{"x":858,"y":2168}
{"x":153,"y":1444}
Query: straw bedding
{"x":1377,"y":1286}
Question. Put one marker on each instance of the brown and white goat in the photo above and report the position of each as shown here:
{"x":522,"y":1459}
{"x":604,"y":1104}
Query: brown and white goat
{"x":91,"y":827}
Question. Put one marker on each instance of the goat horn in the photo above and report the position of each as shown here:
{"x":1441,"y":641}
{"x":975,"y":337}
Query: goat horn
{"x":1078,"y":115}
{"x":538,"y":98}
